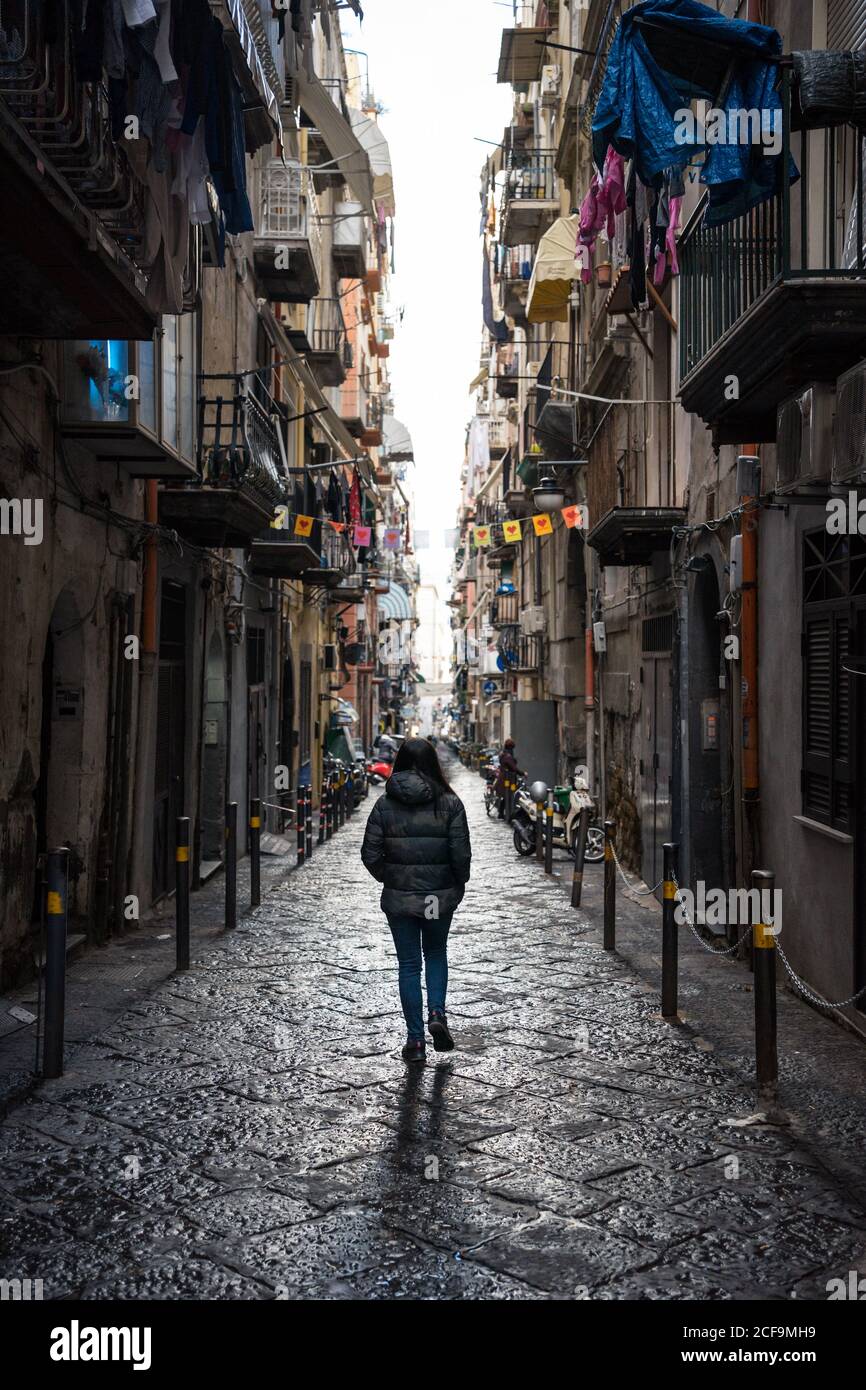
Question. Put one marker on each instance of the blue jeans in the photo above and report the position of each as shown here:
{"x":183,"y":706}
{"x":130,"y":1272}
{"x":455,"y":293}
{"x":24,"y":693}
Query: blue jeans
{"x":412,"y":936}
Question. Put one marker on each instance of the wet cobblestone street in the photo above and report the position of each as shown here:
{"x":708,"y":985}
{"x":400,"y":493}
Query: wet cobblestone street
{"x":248,"y":1130}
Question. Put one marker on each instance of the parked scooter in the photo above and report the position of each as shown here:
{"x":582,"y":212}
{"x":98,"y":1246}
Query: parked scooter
{"x":490,"y":772}
{"x":568,"y":802}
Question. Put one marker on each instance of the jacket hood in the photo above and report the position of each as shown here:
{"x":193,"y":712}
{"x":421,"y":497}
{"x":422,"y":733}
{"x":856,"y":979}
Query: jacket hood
{"x":408,"y":787}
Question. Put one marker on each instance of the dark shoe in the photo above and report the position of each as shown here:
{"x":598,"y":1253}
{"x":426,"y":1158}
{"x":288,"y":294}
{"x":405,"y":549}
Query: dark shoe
{"x":437,"y":1026}
{"x":415,"y":1053}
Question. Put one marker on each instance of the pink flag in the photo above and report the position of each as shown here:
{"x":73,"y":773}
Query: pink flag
{"x":361,"y":535}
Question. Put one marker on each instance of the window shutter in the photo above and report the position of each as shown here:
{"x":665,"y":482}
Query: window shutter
{"x":827,"y":751}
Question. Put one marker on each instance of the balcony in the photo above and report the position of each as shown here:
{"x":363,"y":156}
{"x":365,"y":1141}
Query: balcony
{"x":349,"y":248}
{"x":71,"y":252}
{"x":514,"y":275}
{"x":505,"y":610}
{"x":498,"y":435}
{"x":241,"y":484}
{"x":288,"y":244}
{"x":777,"y":298}
{"x":631,"y":484}
{"x":329,"y":353}
{"x":529,"y":197}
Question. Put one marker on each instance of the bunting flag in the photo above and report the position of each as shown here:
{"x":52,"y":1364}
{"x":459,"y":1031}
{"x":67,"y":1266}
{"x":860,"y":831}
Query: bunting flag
{"x":542,"y":523}
{"x":303,"y":525}
{"x":512,"y":530}
{"x":576,"y":515}
{"x":361,"y":535}
{"x":391,"y":539}
{"x":481,"y":535}
{"x":336,"y":525}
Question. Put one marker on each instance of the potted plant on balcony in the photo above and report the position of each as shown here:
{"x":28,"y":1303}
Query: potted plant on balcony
{"x":603,"y":275}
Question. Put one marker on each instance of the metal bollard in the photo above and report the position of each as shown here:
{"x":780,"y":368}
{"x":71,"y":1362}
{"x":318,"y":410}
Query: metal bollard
{"x":308,"y":817}
{"x":350,"y":795}
{"x":341,"y":784}
{"x":670,"y":941}
{"x":181,"y":895}
{"x":255,"y":852}
{"x":231,"y":865}
{"x":609,"y":887}
{"x":301,"y":826}
{"x":329,"y":808}
{"x":548,"y":835}
{"x":56,"y":908}
{"x":579,"y":856}
{"x":764,"y":966}
{"x":540,"y":824}
{"x":323,"y":809}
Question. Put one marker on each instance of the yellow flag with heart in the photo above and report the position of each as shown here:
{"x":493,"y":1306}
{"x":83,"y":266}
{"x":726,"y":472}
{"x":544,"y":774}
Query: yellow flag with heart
{"x":511,"y":530}
{"x":303,"y":525}
{"x":542,"y":523}
{"x":481,"y":535}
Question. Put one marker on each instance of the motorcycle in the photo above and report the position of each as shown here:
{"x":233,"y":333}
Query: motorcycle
{"x":568,"y":802}
{"x":378,"y":770}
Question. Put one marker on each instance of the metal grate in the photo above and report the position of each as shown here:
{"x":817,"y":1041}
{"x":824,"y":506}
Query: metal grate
{"x":658,"y":633}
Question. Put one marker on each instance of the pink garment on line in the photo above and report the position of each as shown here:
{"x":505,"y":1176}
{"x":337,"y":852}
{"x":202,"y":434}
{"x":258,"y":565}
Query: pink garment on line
{"x":670,"y":247}
{"x":605,"y":199}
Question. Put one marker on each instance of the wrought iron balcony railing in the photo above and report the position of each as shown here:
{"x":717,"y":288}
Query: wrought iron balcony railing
{"x":529,"y":176}
{"x":812,"y":230}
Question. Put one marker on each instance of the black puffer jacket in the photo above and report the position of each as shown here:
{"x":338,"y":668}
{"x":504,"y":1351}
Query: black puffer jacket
{"x":415,"y":852}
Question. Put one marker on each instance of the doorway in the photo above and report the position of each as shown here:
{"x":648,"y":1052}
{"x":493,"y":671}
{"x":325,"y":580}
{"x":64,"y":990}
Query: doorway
{"x":169,"y":788}
{"x":708,"y":730}
{"x":214,"y":749}
{"x":656,"y":762}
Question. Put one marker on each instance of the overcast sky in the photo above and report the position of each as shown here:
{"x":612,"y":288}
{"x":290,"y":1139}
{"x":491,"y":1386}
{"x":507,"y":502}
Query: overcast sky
{"x":433,"y":68}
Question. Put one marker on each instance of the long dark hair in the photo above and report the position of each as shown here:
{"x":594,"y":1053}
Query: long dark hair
{"x":417,"y":755}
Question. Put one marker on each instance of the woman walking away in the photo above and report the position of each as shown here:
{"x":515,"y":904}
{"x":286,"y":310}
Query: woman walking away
{"x":417,"y":845}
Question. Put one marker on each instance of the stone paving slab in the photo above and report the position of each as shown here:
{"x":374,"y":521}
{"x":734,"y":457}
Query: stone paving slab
{"x":248,"y":1130}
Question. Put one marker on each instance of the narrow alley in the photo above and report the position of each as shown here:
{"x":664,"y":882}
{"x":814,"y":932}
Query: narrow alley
{"x":248,"y":1131}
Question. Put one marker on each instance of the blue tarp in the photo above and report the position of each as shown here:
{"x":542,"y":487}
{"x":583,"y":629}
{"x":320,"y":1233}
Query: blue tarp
{"x":639,"y":100}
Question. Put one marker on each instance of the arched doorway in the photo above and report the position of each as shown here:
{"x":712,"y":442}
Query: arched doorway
{"x":214,"y":749}
{"x":57,"y":795}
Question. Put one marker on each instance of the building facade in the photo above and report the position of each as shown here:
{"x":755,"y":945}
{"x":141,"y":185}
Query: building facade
{"x":689,"y":374}
{"x":198,"y":462}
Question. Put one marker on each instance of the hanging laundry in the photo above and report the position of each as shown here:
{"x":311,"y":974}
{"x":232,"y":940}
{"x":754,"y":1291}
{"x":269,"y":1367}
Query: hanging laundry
{"x":600,"y":208}
{"x":497,"y":328}
{"x":639,"y":101}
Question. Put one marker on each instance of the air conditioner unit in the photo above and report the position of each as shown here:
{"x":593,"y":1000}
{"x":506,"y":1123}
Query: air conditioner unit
{"x":532,"y":620}
{"x":551,"y":76}
{"x":804,"y":427}
{"x":849,"y":427}
{"x":329,"y":656}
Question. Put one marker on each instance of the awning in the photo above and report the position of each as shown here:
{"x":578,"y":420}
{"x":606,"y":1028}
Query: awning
{"x":396,"y":603}
{"x":374,"y":142}
{"x":344,"y":147}
{"x":477,"y":380}
{"x":554,"y":273}
{"x":521,"y":55}
{"x":396,"y":441}
{"x":261,"y":106}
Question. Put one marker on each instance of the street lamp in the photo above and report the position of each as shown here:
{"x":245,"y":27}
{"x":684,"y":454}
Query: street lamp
{"x":549,"y":496}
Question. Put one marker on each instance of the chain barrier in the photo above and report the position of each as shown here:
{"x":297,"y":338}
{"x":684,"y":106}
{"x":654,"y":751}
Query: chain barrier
{"x":711,"y":950}
{"x":641,"y":892}
{"x":807,"y":991}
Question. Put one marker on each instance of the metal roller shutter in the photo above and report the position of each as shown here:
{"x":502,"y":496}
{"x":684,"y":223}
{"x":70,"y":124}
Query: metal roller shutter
{"x":846,"y":24}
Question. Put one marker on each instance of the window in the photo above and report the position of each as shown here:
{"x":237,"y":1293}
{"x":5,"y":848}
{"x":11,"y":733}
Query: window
{"x":834,"y":597}
{"x":255,"y":656}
